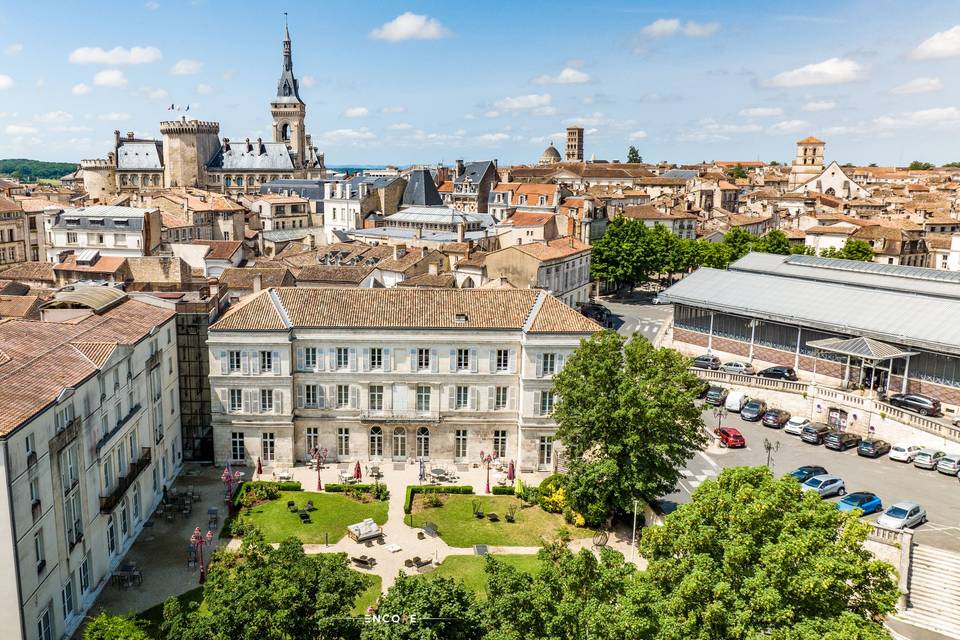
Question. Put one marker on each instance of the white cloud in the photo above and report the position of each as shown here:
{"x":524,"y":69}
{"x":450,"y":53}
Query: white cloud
{"x":819,"y":105}
{"x":6,"y":82}
{"x":13,"y":49}
{"x":761,"y":112}
{"x":114,"y":116}
{"x":110,"y":78}
{"x":356,"y":112}
{"x":117,"y":55}
{"x":348,"y":135}
{"x":568,"y":75}
{"x":943,"y":44}
{"x":788,"y":126}
{"x":401,"y":126}
{"x":493,"y":138}
{"x":80,"y":89}
{"x":665,"y":27}
{"x":204,"y":89}
{"x":637,"y":135}
{"x":918,"y":85}
{"x":151,"y":6}
{"x":545,"y":111}
{"x":410,"y":26}
{"x":54,"y":117}
{"x":710,"y":130}
{"x":151,"y":93}
{"x":18,"y":130}
{"x":493,"y":113}
{"x":40,"y":83}
{"x":72,"y":128}
{"x":308,"y":81}
{"x":394,"y":109}
{"x":519,"y":103}
{"x":186,"y":67}
{"x":830,"y":71}
{"x":7,"y":114}
{"x":935,"y":118}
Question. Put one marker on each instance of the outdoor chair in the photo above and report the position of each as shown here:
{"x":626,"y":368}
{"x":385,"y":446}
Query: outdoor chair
{"x":408,"y":563}
{"x":492,"y":517}
{"x":430,"y":529}
{"x":291,"y":506}
{"x":423,"y":563}
{"x":310,"y":506}
{"x":421,"y":535}
{"x":304,"y":517}
{"x":509,"y":517}
{"x":478,"y":513}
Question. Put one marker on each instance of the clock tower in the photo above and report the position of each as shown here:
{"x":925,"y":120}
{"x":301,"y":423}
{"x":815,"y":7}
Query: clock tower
{"x":288,"y":110}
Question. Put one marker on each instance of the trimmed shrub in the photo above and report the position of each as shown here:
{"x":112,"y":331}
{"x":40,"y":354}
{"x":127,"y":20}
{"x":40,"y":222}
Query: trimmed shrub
{"x":260,"y":490}
{"x":551,"y":482}
{"x":378,"y":491}
{"x":290,"y":485}
{"x":413,"y":489}
{"x":502,"y":491}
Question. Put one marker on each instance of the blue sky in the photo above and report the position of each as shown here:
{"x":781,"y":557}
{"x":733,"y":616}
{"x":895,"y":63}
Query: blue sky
{"x":435,"y":81}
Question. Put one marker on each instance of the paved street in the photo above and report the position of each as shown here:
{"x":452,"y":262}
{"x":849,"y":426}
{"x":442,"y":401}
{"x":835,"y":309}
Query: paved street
{"x":892,"y":481}
{"x":638,"y":314}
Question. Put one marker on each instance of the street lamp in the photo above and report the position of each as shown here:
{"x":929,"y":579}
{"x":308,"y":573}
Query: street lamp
{"x":319,"y":457}
{"x":198,"y":540}
{"x":486,"y":460}
{"x":720,"y":412}
{"x":770,"y":448}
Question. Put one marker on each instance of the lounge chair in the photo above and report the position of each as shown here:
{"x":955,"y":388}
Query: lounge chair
{"x":304,"y":517}
{"x":363,"y":561}
{"x":492,"y":517}
{"x":422,"y":563}
{"x":430,"y":529}
{"x":310,"y":506}
{"x":363,"y":531}
{"x":291,"y":506}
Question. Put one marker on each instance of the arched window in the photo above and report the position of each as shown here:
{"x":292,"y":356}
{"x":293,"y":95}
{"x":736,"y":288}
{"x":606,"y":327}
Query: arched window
{"x":376,"y":442}
{"x":285,"y":132}
{"x":468,"y":283}
{"x":228,"y":181}
{"x":423,"y":442}
{"x":831,"y":191}
{"x":239,"y":181}
{"x":399,"y":443}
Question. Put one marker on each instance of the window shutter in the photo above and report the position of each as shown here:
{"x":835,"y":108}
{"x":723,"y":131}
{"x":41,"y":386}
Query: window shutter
{"x":493,"y":360}
{"x":246,"y":401}
{"x":536,"y":403}
{"x":321,"y":397}
{"x":473,"y":361}
{"x":388,"y":396}
{"x":491,"y":398}
{"x":474,"y":398}
{"x":434,"y":361}
{"x":301,"y":359}
{"x":352,"y":358}
{"x":320,"y":360}
{"x":255,"y":362}
{"x":332,"y":355}
{"x":539,"y":365}
{"x":453,"y":360}
{"x":277,"y":365}
{"x":559,"y":365}
{"x":278,"y":401}
{"x":413,"y":360}
{"x":353,"y":397}
{"x":512,"y":357}
{"x":244,"y":362}
{"x":452,"y":397}
{"x":400,"y":396}
{"x":224,"y":364}
{"x":365,"y":359}
{"x":511,"y":399}
{"x":387,"y":359}
{"x":301,"y":392}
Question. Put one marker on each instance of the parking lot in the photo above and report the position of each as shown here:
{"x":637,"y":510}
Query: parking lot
{"x":637,"y":314}
{"x":891,"y":481}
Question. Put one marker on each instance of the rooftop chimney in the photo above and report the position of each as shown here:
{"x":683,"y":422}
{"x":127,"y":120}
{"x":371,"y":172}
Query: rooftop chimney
{"x":433,"y":268}
{"x":460,"y":168}
{"x":257,"y":282}
{"x":461,"y":232}
{"x":129,"y":135}
{"x":249,"y":146}
{"x":226,"y":144}
{"x":116,"y":137}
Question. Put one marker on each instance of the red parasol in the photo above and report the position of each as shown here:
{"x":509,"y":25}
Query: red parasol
{"x":511,"y":471}
{"x":356,"y":470}
{"x":259,"y":467}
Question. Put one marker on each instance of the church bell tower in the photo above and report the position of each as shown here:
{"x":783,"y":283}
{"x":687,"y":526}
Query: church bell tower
{"x":287,"y":109}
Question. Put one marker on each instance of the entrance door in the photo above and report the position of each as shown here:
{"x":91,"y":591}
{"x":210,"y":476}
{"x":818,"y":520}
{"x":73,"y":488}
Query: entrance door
{"x":399,"y":444}
{"x":836,"y":418}
{"x":545,"y":457}
{"x":423,"y":443}
{"x":376,"y":443}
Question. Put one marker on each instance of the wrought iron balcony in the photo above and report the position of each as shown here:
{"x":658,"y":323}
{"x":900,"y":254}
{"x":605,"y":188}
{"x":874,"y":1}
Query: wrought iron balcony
{"x":122,"y":421}
{"x":109,"y":502}
{"x":400,"y":415}
{"x":65,"y":436}
{"x":154,"y":360}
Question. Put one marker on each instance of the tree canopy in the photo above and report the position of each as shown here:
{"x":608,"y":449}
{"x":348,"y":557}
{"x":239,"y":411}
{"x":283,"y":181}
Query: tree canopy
{"x":111,"y":627}
{"x":627,"y":418}
{"x":633,"y":155}
{"x":30,"y":170}
{"x":737,"y":172}
{"x":852,"y":249}
{"x":917,"y":165}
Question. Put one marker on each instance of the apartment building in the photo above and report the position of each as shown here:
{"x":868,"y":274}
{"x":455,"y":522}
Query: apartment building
{"x":561,"y":267}
{"x":111,"y":230}
{"x":90,"y":434}
{"x":12,"y":245}
{"x":390,"y":374}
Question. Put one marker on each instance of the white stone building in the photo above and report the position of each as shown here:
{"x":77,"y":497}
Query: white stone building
{"x":110,"y":230}
{"x":390,"y":374}
{"x":90,"y":434}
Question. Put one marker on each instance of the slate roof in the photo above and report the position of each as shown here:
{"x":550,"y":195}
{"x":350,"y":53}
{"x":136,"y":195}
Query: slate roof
{"x":275,"y":157}
{"x":309,"y":189}
{"x":474,"y":171}
{"x":421,"y":190}
{"x":139,"y":155}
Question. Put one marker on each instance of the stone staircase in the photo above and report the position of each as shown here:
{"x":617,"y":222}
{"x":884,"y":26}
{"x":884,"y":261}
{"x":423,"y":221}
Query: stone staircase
{"x":934,"y":587}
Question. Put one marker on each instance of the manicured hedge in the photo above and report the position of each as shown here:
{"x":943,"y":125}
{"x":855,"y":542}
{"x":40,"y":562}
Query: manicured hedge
{"x":502,"y":491}
{"x":290,"y":485}
{"x":342,"y":488}
{"x":252,"y":485}
{"x":430,"y":488}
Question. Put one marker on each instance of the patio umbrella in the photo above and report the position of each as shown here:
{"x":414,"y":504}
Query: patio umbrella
{"x":511,"y":472}
{"x":356,"y":470}
{"x":259,"y":467}
{"x":423,"y":471}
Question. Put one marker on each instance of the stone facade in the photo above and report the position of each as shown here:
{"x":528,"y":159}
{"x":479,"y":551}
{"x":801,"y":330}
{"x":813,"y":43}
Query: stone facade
{"x":188,"y":147}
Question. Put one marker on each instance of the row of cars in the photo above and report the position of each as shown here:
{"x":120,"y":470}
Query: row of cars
{"x":713,"y":363}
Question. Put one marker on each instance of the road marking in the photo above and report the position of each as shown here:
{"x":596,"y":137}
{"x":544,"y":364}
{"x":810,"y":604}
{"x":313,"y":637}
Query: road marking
{"x":708,"y":459}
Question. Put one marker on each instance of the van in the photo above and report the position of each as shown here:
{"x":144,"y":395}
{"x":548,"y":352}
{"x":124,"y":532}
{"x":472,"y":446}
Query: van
{"x":735,"y":401}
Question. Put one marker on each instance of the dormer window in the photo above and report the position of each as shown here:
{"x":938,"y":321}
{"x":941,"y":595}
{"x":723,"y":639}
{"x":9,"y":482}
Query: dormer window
{"x":460,"y":318}
{"x":121,"y":222}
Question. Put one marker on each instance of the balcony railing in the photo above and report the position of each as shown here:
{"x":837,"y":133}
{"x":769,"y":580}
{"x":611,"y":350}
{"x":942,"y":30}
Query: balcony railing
{"x":65,"y":436}
{"x":153,"y":361}
{"x":109,"y":502}
{"x":122,"y":421}
{"x":400,"y":415}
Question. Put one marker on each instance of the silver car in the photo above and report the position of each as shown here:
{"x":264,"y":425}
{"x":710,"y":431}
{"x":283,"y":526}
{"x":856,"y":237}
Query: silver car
{"x":928,"y":458}
{"x":735,"y":366}
{"x":795,"y":425}
{"x":826,"y":485}
{"x":949,"y":464}
{"x":902,"y":515}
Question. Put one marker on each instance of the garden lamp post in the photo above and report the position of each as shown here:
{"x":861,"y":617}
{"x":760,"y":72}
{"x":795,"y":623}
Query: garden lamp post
{"x":319,"y":457}
{"x":720,"y":412}
{"x":198,"y":540}
{"x":770,"y":448}
{"x":486,"y":459}
{"x":227,"y":478}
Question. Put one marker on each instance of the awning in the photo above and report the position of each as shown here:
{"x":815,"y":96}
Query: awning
{"x":866,"y":348}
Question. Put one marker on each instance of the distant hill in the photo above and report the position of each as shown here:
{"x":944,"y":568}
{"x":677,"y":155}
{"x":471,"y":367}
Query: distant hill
{"x":31,"y":170}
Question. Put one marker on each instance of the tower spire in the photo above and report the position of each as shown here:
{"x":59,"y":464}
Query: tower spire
{"x":288,"y":88}
{"x":286,"y":28}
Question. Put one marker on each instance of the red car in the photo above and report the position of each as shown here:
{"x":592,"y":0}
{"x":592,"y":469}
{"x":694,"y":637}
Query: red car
{"x":730,"y":437}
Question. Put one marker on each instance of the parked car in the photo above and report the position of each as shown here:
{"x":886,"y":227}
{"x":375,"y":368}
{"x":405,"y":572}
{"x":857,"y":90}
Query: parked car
{"x":841,"y":440}
{"x":730,"y":437}
{"x":814,"y":433}
{"x":826,"y":485}
{"x":703,"y":389}
{"x":924,"y":405}
{"x":707,"y":361}
{"x":753,"y":410}
{"x":659,"y":300}
{"x":735,"y":366}
{"x":949,"y":464}
{"x":804,"y":473}
{"x":873,"y":448}
{"x":735,"y":401}
{"x":902,"y":515}
{"x":716,"y":396}
{"x":795,"y":425}
{"x":775,"y":418}
{"x":904,"y":452}
{"x":863,"y":500}
{"x":928,"y":458}
{"x":779,"y":373}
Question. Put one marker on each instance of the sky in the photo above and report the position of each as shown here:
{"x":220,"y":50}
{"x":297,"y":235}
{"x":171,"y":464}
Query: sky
{"x":426,"y":82}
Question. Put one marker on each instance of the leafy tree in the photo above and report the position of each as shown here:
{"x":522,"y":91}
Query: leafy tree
{"x":570,"y":597}
{"x":774,"y":241}
{"x":752,"y":557}
{"x":263,"y":592}
{"x":110,"y":627}
{"x":620,"y":255}
{"x":30,"y":170}
{"x":854,"y":249}
{"x":739,"y":241}
{"x":444,"y":610}
{"x":627,"y":418}
{"x":633,"y":155}
{"x":802,"y":249}
{"x":917,"y":165}
{"x":774,"y":163}
{"x":951,"y":165}
{"x":872,"y":164}
{"x":737,"y":172}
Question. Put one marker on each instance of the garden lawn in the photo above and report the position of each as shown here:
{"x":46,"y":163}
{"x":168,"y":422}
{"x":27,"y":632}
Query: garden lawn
{"x":458,"y":526}
{"x":368,"y":597}
{"x":469,"y":569}
{"x":333,"y":513}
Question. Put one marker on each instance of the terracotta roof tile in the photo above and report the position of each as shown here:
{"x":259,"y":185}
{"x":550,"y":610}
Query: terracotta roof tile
{"x":220,"y":249}
{"x":104,"y":264}
{"x":556,"y":317}
{"x":19,"y":306}
{"x":242,"y":277}
{"x":30,"y":271}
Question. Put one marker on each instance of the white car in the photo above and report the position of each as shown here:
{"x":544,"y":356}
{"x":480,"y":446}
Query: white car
{"x":736,"y":366}
{"x":902,"y":515}
{"x":795,"y":425}
{"x":904,"y":452}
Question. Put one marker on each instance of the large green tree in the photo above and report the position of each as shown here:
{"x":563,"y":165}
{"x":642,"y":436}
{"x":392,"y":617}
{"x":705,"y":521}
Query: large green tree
{"x":854,"y":249}
{"x":627,"y":418}
{"x":774,"y":241}
{"x":427,"y":609}
{"x":752,"y":557}
{"x":918,"y":165}
{"x":737,"y":172}
{"x":739,"y":242}
{"x":633,"y":155}
{"x":111,"y":627}
{"x":620,"y":255}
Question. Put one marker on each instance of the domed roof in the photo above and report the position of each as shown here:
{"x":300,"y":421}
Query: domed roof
{"x":550,"y":155}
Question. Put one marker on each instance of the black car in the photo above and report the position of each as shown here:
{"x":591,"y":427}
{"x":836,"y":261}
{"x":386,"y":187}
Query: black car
{"x":752,"y":411}
{"x":804,"y":473}
{"x":775,"y":418}
{"x":706,"y":361}
{"x":871,"y":448}
{"x":716,"y":396}
{"x":703,"y":389}
{"x":924,"y":405}
{"x":779,"y":373}
{"x":814,"y":433}
{"x":841,"y":440}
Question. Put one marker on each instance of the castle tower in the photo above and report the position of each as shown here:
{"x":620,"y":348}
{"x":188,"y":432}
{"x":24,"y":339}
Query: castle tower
{"x":809,"y":162}
{"x":188,"y":146}
{"x":574,"y":144}
{"x":287,"y":109}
